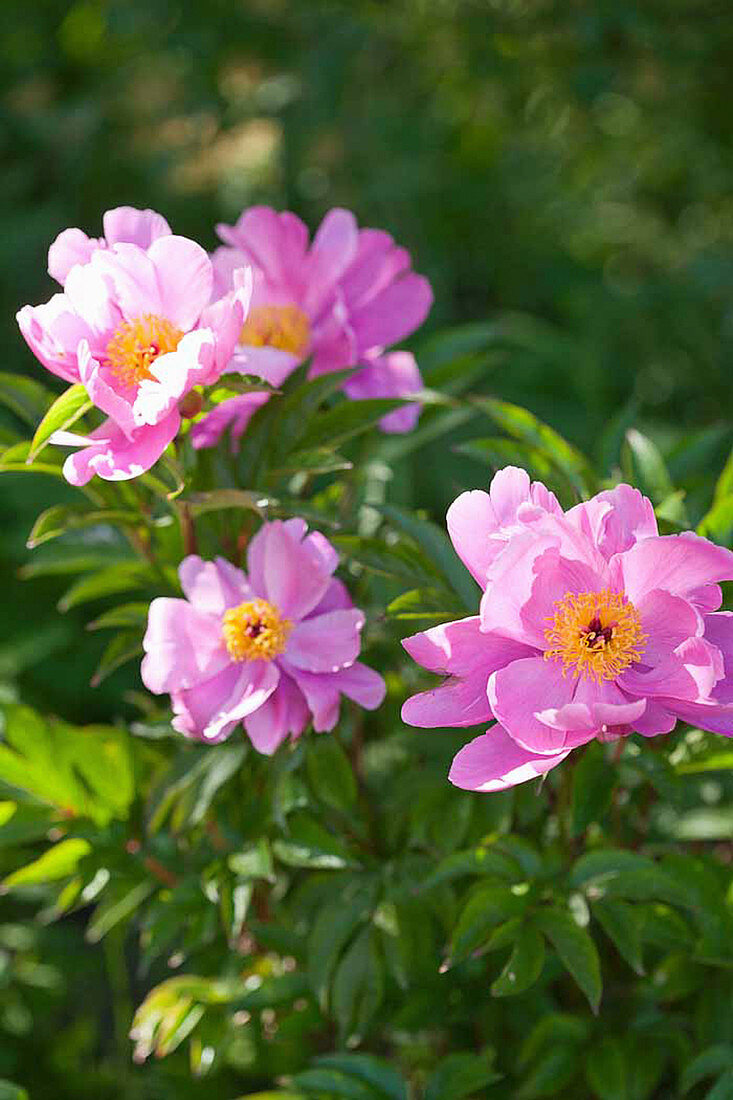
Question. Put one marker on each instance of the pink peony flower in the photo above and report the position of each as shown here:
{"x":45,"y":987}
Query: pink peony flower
{"x":137,"y":328}
{"x":340,"y":301}
{"x":591,"y":625}
{"x":123,"y":224}
{"x":275,"y":647}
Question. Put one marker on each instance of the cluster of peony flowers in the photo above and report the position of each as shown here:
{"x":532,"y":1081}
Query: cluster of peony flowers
{"x":274,"y":648}
{"x":590,"y":625}
{"x":145,"y":316}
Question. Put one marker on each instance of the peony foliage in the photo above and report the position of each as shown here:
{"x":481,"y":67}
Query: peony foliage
{"x":396,"y":806}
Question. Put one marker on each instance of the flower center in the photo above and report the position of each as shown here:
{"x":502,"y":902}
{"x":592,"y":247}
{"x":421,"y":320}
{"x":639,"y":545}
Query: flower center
{"x":286,"y":328}
{"x":255,"y":631}
{"x":595,"y":634}
{"x":136,"y":344}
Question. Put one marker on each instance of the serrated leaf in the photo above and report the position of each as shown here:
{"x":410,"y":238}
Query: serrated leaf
{"x":58,"y":862}
{"x":576,"y":950}
{"x":524,"y":965}
{"x":64,"y":412}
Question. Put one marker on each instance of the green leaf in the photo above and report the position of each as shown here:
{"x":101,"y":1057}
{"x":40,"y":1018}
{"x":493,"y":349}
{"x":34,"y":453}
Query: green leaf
{"x":109,"y":581}
{"x":116,"y":907}
{"x":64,"y":412}
{"x":483,"y":860}
{"x":423,"y":603}
{"x":61,"y":518}
{"x":486,"y":907}
{"x":14,"y":459}
{"x":600,"y":867}
{"x":9,"y":1091}
{"x":58,"y":862}
{"x":309,"y":844}
{"x":330,"y":773}
{"x":724,"y":484}
{"x":524,"y":965}
{"x":325,"y":1081}
{"x":387,"y":560}
{"x":345,"y":420}
{"x":458,"y":1076}
{"x":319,"y":460}
{"x":358,"y":986}
{"x":332,"y":929}
{"x":380,"y":1075}
{"x":27,"y":398}
{"x":253,"y":862}
{"x":622,"y":925}
{"x":126,"y":614}
{"x":605,"y":1070}
{"x":523,"y":425}
{"x":124,"y":647}
{"x":652,"y":474}
{"x":709,"y":1063}
{"x":593,"y":786}
{"x":83,"y":771}
{"x":439,"y":551}
{"x":221,"y":499}
{"x":717,"y":524}
{"x":576,"y":950}
{"x":723,"y":1087}
{"x":552,"y":1073}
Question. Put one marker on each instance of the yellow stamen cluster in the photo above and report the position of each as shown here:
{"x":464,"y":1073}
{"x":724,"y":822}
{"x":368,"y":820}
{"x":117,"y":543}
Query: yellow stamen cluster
{"x":283,"y":327}
{"x":595,"y":634}
{"x":136,"y":344}
{"x":255,"y":631}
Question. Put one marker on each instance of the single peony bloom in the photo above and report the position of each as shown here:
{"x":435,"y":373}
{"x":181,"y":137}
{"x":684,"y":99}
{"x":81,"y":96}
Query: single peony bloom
{"x":137,"y":327}
{"x":274,"y":648}
{"x":123,"y":224}
{"x":591,"y":625}
{"x":340,"y":301}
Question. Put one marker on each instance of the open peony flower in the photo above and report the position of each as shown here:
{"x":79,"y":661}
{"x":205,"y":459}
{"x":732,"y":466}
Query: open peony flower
{"x":274,"y":648}
{"x":591,"y":625}
{"x":137,"y":327}
{"x":339,"y":301}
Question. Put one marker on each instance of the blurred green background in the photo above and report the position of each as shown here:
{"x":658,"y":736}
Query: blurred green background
{"x":566,"y":165}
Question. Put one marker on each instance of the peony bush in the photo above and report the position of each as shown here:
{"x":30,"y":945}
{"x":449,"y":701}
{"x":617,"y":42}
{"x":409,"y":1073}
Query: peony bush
{"x":307,"y":892}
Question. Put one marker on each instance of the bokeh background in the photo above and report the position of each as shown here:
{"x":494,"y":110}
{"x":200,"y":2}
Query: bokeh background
{"x":565,"y":168}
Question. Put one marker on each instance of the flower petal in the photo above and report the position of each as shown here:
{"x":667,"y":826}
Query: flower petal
{"x":326,"y":643}
{"x":677,"y":563}
{"x":522,"y":690}
{"x":183,"y":646}
{"x":493,"y":762}
{"x":114,"y":457}
{"x":213,"y":586}
{"x":185,"y":279}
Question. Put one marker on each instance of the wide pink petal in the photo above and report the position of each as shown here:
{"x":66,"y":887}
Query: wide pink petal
{"x":667,"y":621}
{"x":394,"y":313}
{"x":460,"y":647}
{"x":321,"y":694}
{"x":522,"y":690}
{"x":287,"y":572}
{"x":334,"y":247}
{"x":493,"y":762}
{"x":513,"y":579}
{"x":471,"y":521}
{"x":655,"y":720}
{"x":53,"y":332}
{"x":378,"y":263}
{"x":596,"y":709}
{"x":114,"y":457}
{"x":185,"y":278}
{"x":213,"y":586}
{"x":92,"y":297}
{"x":140,"y":227}
{"x":71,"y":247}
{"x":285,"y":713}
{"x":106,"y":391}
{"x":336,"y":598}
{"x":234,"y":414}
{"x":183,"y":646}
{"x":719,"y":632}
{"x":456,"y":702}
{"x":677,"y":563}
{"x":326,"y":643}
{"x":212,"y":709}
{"x":362,"y":685}
{"x":616,"y":519}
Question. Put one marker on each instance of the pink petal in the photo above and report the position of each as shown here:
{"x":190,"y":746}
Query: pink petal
{"x":668,"y":621}
{"x":53,"y":332}
{"x":655,"y":720}
{"x":173,"y":375}
{"x":326,"y":643}
{"x":334,"y":247}
{"x":71,"y":247}
{"x":460,"y":647}
{"x":235,"y":413}
{"x":456,"y":702}
{"x":140,"y":227}
{"x":284,"y":713}
{"x":596,"y":709}
{"x":393,"y":375}
{"x":719,"y":632}
{"x":471,"y":520}
{"x":522,"y":690}
{"x":321,"y":694}
{"x":213,"y":586}
{"x":182,"y":645}
{"x":493,"y":762}
{"x":362,"y":685}
{"x":616,"y":519}
{"x":93,"y":299}
{"x":677,"y":563}
{"x":185,"y":278}
{"x":114,"y":457}
{"x":394,"y":313}
{"x":133,"y":277}
{"x":287,"y":572}
{"x":106,"y":392}
{"x":212,"y":709}
{"x":336,"y":598}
